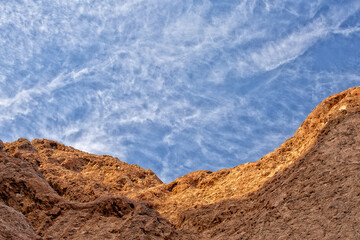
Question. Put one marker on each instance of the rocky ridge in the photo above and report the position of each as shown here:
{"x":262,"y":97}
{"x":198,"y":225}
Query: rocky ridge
{"x":80,"y":176}
{"x":295,"y":192}
{"x":205,"y":187}
{"x":317,"y":197}
{"x":25,"y":191}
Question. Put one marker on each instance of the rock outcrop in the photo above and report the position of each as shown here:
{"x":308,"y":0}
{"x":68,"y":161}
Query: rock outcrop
{"x":317,"y":197}
{"x":80,"y":176}
{"x":14,"y":225}
{"x":204,"y":187}
{"x":308,"y":188}
{"x":26,"y":192}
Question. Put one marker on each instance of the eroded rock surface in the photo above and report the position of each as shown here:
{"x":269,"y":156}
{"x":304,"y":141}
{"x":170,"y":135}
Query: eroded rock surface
{"x":317,"y":197}
{"x":14,"y":225}
{"x":80,"y":176}
{"x":24,"y":189}
{"x":308,"y":188}
{"x":203,"y":187}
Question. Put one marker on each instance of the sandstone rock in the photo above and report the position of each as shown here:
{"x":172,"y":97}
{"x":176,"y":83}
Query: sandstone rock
{"x":23,"y":188}
{"x":14,"y":225}
{"x":317,"y":197}
{"x":308,"y":188}
{"x":239,"y":181}
{"x":81,"y":176}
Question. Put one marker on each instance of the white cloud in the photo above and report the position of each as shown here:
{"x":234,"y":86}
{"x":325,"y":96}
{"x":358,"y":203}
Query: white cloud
{"x":347,"y":31}
{"x":283,"y":50}
{"x":139,"y":76}
{"x":275,"y":54}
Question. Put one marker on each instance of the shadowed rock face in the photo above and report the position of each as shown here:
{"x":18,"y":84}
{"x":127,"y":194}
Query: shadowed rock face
{"x":308,"y":188}
{"x":14,"y":225}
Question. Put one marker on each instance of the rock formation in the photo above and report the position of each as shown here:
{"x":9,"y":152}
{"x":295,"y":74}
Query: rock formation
{"x":308,"y":188}
{"x":26,"y":192}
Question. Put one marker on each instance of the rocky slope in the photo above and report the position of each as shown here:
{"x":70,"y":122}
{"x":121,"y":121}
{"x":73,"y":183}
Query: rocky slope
{"x":205,"y":187}
{"x":78,"y":175}
{"x":317,"y":197}
{"x":13,"y":224}
{"x":26,"y":192}
{"x":307,"y":188}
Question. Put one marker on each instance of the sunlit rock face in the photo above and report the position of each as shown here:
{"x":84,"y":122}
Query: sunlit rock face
{"x":307,"y":188}
{"x":173,"y":86}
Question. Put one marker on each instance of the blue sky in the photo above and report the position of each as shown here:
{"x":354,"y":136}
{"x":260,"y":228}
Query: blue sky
{"x":174,"y":86}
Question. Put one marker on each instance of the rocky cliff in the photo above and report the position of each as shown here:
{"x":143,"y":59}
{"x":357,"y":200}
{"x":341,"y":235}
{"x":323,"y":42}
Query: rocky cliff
{"x":308,"y":188}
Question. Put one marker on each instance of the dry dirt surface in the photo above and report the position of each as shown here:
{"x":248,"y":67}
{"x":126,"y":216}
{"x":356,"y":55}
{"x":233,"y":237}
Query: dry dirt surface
{"x":308,"y":188}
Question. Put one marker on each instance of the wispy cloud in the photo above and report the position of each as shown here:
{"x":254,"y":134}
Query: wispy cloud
{"x":174,"y":86}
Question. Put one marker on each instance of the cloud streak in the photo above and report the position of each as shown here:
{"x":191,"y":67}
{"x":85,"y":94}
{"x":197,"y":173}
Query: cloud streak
{"x":174,"y":86}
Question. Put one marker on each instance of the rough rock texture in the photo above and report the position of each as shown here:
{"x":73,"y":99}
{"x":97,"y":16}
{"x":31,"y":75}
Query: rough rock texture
{"x":204,"y":187}
{"x":308,"y":188}
{"x":14,"y":225}
{"x":23,"y":188}
{"x":317,"y":197}
{"x":81,"y":176}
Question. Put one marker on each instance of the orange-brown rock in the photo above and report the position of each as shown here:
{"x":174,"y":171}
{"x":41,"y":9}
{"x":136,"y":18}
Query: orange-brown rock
{"x":204,"y":187}
{"x":308,"y":188}
{"x":317,"y":197}
{"x":81,"y":176}
{"x":24,"y":189}
{"x":14,"y":225}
